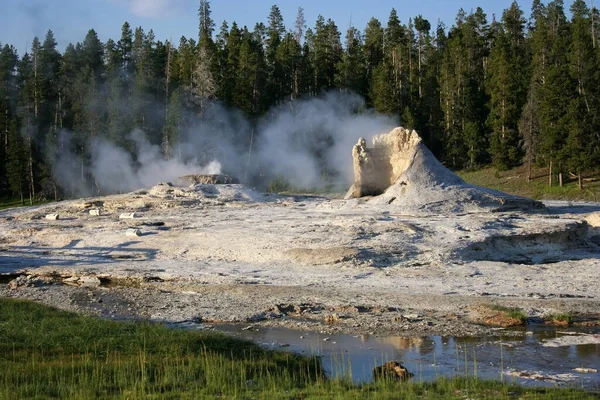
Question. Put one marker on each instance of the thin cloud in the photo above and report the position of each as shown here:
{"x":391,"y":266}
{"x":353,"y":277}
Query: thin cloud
{"x":152,"y":8}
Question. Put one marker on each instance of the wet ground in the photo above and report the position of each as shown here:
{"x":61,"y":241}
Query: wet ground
{"x":540,"y":356}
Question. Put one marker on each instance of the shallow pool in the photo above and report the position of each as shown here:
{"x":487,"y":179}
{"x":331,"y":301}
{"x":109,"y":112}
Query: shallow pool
{"x":540,"y":355}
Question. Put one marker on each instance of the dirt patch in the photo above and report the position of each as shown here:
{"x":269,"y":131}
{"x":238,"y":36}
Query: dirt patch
{"x":322,"y":256}
{"x":502,"y":317}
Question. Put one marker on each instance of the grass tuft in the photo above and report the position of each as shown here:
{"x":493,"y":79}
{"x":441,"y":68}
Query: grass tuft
{"x":559,"y":319}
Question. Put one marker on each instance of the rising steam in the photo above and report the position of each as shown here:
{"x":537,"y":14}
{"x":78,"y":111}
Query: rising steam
{"x":307,"y":142}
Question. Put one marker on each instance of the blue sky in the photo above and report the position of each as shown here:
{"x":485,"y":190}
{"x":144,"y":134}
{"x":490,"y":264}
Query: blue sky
{"x":21,"y":20}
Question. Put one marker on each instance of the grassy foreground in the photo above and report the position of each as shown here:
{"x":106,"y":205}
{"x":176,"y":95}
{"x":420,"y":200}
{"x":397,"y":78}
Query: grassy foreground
{"x":46,"y":353}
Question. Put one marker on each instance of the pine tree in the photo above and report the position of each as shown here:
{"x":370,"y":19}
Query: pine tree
{"x":557,"y":91}
{"x":245,"y":94}
{"x":289,"y":54}
{"x":581,"y":143}
{"x":423,"y":27}
{"x":8,"y":90}
{"x":206,"y":25}
{"x":275,"y":80}
{"x":224,"y":74}
{"x":27,"y":107}
{"x":351,"y":70}
{"x":125,"y":47}
{"x":16,"y":162}
{"x":326,"y":54}
{"x":50,"y":108}
{"x":464,"y":101}
{"x":373,"y":52}
{"x":203,"y":86}
{"x":389,"y":88}
{"x":530,"y":124}
{"x":507,"y":78}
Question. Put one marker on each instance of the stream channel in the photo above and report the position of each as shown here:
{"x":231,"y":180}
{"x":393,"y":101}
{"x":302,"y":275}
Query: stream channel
{"x":540,"y":356}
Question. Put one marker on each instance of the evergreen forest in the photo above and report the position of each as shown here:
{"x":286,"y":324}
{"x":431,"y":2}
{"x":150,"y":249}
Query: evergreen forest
{"x":521,"y":88}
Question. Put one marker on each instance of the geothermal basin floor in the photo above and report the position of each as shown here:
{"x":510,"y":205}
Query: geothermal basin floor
{"x":226,"y":254}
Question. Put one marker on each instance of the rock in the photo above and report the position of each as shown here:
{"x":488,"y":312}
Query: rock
{"x":586,"y":370}
{"x":154,"y":223}
{"x":95,"y":213}
{"x":215,"y":179}
{"x":400,"y":170}
{"x":17,"y":282}
{"x":132,"y":215}
{"x":133,"y":232}
{"x":89,"y":281}
{"x":332,"y":319}
{"x":52,"y":217}
{"x":90,"y":204}
{"x":24,"y":281}
{"x":392,"y":370}
{"x":593,"y":220}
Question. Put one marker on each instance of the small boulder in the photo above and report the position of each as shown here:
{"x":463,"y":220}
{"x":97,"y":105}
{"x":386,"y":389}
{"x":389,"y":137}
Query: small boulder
{"x":90,"y":204}
{"x":89,"y":281}
{"x":593,"y":220}
{"x":133,"y":232}
{"x":132,"y":215}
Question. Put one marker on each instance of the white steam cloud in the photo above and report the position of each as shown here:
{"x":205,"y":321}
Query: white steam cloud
{"x":308,"y":143}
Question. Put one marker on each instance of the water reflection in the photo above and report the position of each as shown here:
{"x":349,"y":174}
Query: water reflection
{"x":431,"y":357}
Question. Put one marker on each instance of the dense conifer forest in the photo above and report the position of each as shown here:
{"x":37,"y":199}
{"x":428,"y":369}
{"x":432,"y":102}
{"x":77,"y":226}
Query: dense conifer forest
{"x":505,"y":90}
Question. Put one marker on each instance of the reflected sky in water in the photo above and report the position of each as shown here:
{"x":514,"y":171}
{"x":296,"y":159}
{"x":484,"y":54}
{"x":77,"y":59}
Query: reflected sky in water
{"x":431,"y":357}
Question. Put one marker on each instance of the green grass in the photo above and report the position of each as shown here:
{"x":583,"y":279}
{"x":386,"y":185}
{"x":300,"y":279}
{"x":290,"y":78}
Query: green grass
{"x":13,"y":203}
{"x":515,"y":182}
{"x":46,"y":353}
{"x":564,"y":318}
{"x":511,"y":312}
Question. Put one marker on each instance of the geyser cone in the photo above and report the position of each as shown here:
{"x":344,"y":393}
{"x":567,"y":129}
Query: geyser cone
{"x":400,"y":170}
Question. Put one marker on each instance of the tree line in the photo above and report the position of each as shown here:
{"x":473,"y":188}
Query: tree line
{"x":485,"y":91}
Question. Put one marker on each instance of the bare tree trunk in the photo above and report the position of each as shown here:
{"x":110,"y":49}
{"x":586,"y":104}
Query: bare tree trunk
{"x":503,"y":119}
{"x":420,"y":79}
{"x":60,"y":110}
{"x":166,"y":144}
{"x":560,"y":179}
{"x":593,"y":24}
{"x":579,"y":179}
{"x":6,"y":129}
{"x":529,"y":167}
{"x":35,"y":83}
{"x":30,"y":161}
{"x":550,"y":174}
